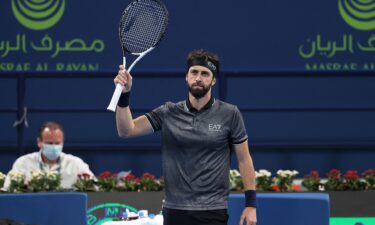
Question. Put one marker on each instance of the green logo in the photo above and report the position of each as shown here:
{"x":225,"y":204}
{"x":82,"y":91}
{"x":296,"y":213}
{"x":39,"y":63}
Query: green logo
{"x":38,"y":14}
{"x":351,"y":220}
{"x":101,"y":213}
{"x":360,"y":14}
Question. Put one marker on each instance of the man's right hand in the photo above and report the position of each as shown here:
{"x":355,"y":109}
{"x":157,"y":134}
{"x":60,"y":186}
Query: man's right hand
{"x":124,"y":78}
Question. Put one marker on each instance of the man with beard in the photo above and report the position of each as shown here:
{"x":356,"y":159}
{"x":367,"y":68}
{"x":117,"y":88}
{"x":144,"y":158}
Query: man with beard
{"x":198,"y":135}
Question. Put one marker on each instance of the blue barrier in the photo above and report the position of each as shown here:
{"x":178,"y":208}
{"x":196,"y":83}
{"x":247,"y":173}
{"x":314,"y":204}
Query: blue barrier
{"x":45,"y":208}
{"x":284,"y":208}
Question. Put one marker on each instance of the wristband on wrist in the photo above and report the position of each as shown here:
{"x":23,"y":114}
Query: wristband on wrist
{"x":250,"y":198}
{"x":124,"y":100}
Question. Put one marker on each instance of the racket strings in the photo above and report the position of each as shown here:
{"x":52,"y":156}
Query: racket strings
{"x":142,"y":25}
{"x":143,"y":32}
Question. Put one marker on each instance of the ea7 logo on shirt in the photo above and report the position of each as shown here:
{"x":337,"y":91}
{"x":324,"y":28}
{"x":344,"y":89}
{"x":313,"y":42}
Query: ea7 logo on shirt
{"x":214,"y":127}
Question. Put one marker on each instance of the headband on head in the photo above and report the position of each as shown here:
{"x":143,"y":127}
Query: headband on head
{"x":206,"y":63}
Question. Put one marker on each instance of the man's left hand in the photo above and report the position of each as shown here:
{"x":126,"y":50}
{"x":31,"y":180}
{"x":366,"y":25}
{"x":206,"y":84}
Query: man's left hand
{"x":249,"y":215}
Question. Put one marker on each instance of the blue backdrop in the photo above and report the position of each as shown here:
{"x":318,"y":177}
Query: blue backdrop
{"x":248,"y":35}
{"x":300,"y":72}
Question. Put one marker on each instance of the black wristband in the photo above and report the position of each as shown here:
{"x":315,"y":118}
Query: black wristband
{"x":124,"y":100}
{"x":250,"y":198}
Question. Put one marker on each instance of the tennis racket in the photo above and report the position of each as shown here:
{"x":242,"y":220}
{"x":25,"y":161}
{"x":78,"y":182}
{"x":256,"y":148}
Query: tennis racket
{"x":142,"y":26}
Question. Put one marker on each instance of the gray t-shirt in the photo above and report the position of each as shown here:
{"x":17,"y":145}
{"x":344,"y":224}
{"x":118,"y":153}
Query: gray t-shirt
{"x":196,"y":149}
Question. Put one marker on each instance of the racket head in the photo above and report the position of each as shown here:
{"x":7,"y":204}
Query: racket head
{"x":142,"y":25}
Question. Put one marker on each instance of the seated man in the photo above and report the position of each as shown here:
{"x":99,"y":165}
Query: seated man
{"x":50,"y":158}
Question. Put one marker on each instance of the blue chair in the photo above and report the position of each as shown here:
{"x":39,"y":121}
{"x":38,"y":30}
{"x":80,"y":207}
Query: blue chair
{"x":283,"y":208}
{"x":45,"y":208}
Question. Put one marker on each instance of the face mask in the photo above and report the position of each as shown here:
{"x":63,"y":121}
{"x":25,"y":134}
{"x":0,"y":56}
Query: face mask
{"x":52,"y":152}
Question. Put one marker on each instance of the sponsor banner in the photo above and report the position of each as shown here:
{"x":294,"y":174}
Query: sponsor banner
{"x":81,"y":35}
{"x":56,"y":35}
{"x":108,"y":206}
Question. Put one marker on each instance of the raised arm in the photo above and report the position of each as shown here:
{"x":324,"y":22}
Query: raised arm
{"x":126,"y":125}
{"x":245,"y":164}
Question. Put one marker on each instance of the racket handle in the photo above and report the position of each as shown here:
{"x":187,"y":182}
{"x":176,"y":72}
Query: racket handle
{"x":115,"y":97}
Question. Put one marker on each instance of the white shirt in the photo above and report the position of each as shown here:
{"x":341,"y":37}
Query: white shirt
{"x":68,"y":166}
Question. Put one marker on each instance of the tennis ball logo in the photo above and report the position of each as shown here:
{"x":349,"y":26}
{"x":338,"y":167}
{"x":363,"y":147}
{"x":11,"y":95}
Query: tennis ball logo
{"x":38,"y":14}
{"x":359,"y":14}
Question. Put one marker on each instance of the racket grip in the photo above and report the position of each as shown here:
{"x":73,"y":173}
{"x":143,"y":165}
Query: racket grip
{"x":115,"y":97}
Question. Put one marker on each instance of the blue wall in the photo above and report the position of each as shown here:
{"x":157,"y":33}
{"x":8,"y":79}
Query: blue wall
{"x":295,"y":120}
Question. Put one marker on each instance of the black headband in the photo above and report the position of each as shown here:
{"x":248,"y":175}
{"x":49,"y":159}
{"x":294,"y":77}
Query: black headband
{"x":206,"y":63}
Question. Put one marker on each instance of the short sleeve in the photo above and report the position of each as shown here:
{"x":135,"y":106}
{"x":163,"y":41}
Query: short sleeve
{"x":156,"y":117}
{"x":238,"y":131}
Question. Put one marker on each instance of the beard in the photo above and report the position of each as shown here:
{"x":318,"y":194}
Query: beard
{"x":198,"y":92}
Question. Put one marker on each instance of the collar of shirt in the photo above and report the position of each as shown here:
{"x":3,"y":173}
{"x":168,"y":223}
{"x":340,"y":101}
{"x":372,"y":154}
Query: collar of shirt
{"x":207,"y":106}
{"x":45,"y":167}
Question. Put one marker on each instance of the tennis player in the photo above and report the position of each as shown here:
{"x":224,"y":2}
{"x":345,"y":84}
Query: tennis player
{"x":198,"y":135}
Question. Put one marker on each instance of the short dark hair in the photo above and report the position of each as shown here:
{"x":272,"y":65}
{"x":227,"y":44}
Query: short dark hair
{"x":51,"y":125}
{"x":206,"y":56}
